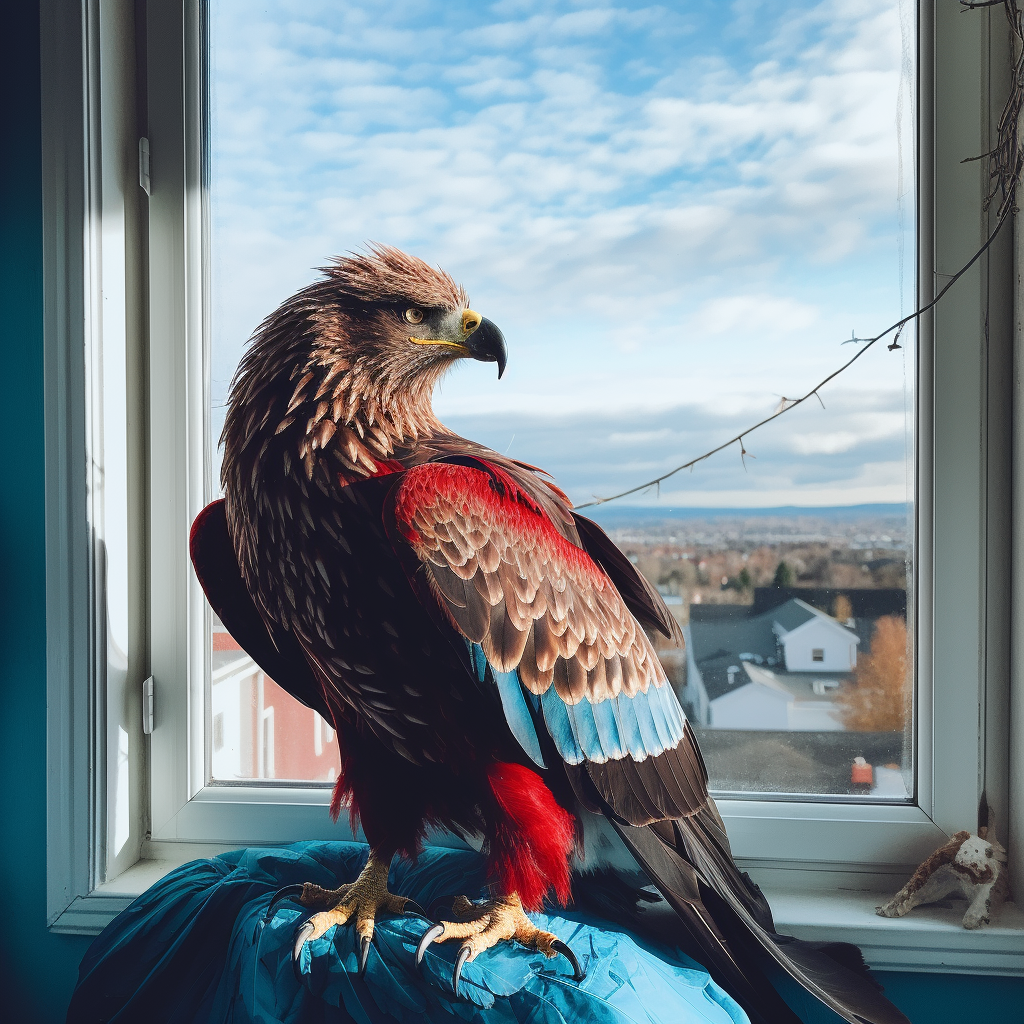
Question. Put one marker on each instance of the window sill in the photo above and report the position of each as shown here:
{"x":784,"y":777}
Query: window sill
{"x":929,"y":938}
{"x":833,"y":907}
{"x":89,"y":915}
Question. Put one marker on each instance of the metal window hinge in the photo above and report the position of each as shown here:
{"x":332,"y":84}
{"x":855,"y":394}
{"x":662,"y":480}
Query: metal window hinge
{"x":144,"y":179}
{"x":148,"y":705}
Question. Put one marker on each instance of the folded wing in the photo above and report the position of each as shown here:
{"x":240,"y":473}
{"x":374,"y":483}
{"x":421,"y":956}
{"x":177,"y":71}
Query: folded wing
{"x":555,"y":632}
{"x":277,"y":653}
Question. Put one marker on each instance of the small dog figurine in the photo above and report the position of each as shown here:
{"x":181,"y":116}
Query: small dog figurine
{"x":968,"y":865}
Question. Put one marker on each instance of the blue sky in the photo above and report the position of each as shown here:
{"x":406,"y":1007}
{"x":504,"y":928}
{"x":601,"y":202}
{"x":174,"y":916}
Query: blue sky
{"x":675,"y":214}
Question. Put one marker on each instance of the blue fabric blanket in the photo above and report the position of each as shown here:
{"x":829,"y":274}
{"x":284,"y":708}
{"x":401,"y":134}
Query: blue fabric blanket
{"x":195,"y":947}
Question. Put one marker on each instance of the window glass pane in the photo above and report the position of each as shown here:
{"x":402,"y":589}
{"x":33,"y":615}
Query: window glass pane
{"x":681,"y":217}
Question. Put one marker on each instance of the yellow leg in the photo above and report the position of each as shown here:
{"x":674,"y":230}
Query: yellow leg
{"x":362,"y":901}
{"x":481,"y":926}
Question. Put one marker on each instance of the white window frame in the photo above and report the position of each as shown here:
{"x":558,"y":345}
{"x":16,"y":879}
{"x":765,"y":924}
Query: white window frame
{"x":962,"y":616}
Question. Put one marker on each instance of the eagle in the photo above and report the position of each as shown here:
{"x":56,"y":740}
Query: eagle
{"x":483,"y":651}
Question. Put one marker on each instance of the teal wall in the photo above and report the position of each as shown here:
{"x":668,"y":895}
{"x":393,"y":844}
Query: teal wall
{"x":931,"y":999}
{"x":37,"y":969}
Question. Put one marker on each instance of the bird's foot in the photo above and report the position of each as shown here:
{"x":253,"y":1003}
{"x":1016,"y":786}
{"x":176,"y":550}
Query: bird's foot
{"x":484,"y":925}
{"x":361,"y":901}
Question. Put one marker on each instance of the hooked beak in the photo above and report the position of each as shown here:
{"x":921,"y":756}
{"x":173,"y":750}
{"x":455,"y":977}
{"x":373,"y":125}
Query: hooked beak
{"x":470,"y":334}
{"x":486,"y":343}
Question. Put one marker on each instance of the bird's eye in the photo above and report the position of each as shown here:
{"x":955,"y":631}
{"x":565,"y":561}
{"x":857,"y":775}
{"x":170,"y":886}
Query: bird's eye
{"x":414,"y":315}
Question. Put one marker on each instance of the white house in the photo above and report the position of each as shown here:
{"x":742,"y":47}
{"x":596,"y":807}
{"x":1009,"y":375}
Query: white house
{"x":776,"y":670}
{"x":765,"y":699}
{"x":816,"y":642}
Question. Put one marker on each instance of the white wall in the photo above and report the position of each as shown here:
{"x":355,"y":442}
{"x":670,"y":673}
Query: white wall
{"x":753,"y":706}
{"x":839,"y":646}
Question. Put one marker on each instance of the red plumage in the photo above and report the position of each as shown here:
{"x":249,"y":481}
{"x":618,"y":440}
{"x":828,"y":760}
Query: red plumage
{"x":341,"y":796}
{"x":469,"y":490}
{"x":488,"y":488}
{"x":533,"y":839}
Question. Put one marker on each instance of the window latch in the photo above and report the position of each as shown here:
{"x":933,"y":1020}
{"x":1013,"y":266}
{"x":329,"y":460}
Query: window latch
{"x":148,"y":704}
{"x":144,"y":179}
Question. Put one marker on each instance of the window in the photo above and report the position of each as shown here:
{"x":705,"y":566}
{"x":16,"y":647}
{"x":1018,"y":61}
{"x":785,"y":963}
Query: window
{"x":225,"y":784}
{"x":363,"y":134}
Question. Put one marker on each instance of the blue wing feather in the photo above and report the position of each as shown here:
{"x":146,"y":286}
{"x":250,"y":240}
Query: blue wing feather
{"x":556,"y":718}
{"x":639,"y":727}
{"x":667,"y":714}
{"x":518,"y":716}
{"x":517,"y":713}
{"x":606,"y":719}
{"x":584,"y":726}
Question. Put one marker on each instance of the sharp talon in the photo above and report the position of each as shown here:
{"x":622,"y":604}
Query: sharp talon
{"x":460,"y":962}
{"x":301,"y":935}
{"x":279,"y":897}
{"x":413,"y":909}
{"x":364,"y":953}
{"x":560,"y":947}
{"x":429,"y":936}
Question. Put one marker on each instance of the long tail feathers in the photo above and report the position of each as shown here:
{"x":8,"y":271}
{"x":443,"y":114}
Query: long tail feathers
{"x":729,"y":923}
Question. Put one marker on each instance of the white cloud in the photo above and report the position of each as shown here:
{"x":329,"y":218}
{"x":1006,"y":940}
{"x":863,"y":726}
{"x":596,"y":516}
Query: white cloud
{"x":830,"y":443}
{"x":868,"y":426}
{"x":597,"y":454}
{"x":763,"y":315}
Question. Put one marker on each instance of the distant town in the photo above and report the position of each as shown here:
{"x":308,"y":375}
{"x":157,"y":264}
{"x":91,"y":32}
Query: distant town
{"x":718,"y":556}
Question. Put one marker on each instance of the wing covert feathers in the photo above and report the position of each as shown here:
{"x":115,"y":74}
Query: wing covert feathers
{"x":515,"y":583}
{"x":640,"y":597}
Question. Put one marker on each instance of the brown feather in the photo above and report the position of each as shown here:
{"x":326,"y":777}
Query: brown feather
{"x":545,"y":644}
{"x":504,"y":643}
{"x":528,"y":665}
{"x":487,"y":585}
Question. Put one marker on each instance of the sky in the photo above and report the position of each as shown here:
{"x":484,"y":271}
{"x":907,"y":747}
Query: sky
{"x":676,"y":215}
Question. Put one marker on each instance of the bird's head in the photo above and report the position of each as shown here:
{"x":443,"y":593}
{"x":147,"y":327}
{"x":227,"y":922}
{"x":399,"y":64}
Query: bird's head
{"x":362,"y":347}
{"x":398,"y":322}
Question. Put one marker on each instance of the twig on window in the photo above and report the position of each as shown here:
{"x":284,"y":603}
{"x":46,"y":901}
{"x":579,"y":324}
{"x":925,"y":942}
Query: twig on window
{"x":743,"y":455}
{"x":1006,"y":159}
{"x":1006,"y":165}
